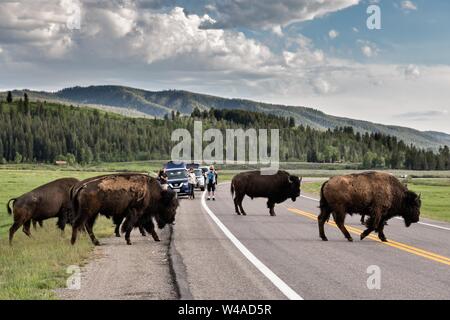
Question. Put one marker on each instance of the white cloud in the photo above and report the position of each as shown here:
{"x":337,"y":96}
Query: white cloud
{"x":263,"y":13}
{"x":277,"y":30}
{"x":368,"y":48}
{"x":408,"y":5}
{"x":411,"y":71}
{"x":333,"y":34}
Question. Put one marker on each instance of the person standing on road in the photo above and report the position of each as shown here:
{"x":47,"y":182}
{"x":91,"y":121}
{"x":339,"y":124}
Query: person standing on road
{"x":211,"y":179}
{"x":163,"y":178}
{"x":192,"y":180}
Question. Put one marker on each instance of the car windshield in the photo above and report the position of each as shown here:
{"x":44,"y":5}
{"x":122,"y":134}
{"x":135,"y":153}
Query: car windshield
{"x":176,"y":174}
{"x":198,"y":172}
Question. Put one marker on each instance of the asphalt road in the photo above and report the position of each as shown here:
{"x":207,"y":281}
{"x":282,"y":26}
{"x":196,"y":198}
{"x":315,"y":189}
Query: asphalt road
{"x":283,"y":257}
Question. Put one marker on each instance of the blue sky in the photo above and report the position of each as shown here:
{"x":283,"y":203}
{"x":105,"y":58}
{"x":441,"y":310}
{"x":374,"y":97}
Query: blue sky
{"x":314,"y":53}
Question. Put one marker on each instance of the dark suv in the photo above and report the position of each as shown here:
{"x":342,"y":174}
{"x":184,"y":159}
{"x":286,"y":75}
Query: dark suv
{"x":178,"y":181}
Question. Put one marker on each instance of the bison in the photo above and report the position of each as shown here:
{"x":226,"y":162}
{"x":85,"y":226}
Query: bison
{"x":275,"y":187}
{"x":45,"y":202}
{"x":381,"y":196}
{"x":140,"y":224}
{"x":137,"y":198}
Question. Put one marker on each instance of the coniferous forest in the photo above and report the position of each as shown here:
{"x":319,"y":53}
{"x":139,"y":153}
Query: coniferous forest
{"x":44,"y":132}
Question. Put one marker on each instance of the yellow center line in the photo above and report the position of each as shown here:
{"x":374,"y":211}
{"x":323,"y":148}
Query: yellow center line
{"x":401,"y":246}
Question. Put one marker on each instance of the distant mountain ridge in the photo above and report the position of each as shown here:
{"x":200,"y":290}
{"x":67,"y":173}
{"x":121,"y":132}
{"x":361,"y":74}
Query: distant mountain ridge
{"x":159,"y":103}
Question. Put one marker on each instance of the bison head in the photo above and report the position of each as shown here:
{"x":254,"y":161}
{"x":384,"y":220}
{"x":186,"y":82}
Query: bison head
{"x":294,"y":187}
{"x":167,"y":208}
{"x":411,"y":208}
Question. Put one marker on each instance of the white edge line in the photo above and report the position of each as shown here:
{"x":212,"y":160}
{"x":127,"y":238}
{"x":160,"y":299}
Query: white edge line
{"x":280,"y":284}
{"x":422,"y":223}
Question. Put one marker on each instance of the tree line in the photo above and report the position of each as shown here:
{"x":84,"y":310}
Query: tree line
{"x":45,"y":132}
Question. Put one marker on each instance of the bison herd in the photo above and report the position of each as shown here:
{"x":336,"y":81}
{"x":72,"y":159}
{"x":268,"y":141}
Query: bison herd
{"x":131,"y":200}
{"x":135,"y":200}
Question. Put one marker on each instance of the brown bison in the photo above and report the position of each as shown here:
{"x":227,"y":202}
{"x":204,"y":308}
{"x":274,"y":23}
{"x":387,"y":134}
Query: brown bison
{"x":137,"y":198}
{"x":381,"y":196}
{"x":117,"y":220}
{"x":45,"y":202}
{"x":275,"y":187}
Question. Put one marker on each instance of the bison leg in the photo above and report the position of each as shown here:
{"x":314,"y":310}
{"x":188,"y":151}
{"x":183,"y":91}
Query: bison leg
{"x":16,"y":225}
{"x":61,"y":223}
{"x":366,"y":232}
{"x":77,"y":224}
{"x":362,"y":219}
{"x":129,"y":224}
{"x":153,"y":232}
{"x":339,"y":218}
{"x":322,"y":218}
{"x":236,"y":207}
{"x":381,"y":235}
{"x":26,"y":228}
{"x":155,"y":236}
{"x":89,"y":228}
{"x":117,"y":222}
{"x":116,"y":230}
{"x":34,"y":224}
{"x":371,"y":226}
{"x":142,"y":231}
{"x":271,"y":207}
{"x":239,"y":200}
{"x":238,"y":204}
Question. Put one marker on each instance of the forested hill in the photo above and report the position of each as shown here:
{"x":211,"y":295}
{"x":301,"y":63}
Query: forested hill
{"x":139,"y":102}
{"x":45,"y":132}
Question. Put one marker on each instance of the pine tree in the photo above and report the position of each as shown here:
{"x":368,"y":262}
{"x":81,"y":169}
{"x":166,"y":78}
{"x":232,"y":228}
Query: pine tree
{"x":26,"y":104}
{"x":291,"y":122}
{"x":9,"y":97}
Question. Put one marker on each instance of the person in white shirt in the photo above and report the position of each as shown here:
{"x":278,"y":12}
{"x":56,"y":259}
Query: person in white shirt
{"x":192,"y":180}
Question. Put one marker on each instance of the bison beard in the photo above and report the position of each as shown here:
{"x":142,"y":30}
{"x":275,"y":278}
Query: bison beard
{"x":381,"y":196}
{"x":137,"y":198}
{"x":47,"y":201}
{"x":276,"y":188}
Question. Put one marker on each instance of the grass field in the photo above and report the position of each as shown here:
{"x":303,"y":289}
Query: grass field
{"x":32,"y":267}
{"x":435,"y":196}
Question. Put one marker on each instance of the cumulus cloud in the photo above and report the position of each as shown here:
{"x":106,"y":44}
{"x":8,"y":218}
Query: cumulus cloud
{"x":411,"y":71}
{"x":118,"y":31}
{"x":333,"y":34}
{"x":263,"y":13}
{"x":408,"y":5}
{"x":368,"y":48}
{"x":422,"y":115}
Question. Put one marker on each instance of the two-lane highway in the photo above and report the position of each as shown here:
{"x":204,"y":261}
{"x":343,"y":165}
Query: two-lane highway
{"x":289,"y":254}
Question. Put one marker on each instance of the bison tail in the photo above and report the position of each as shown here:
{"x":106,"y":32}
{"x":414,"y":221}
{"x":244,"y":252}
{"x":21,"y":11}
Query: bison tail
{"x":323,"y":202}
{"x":8,"y":206}
{"x":232,"y":189}
{"x":74,"y":204}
